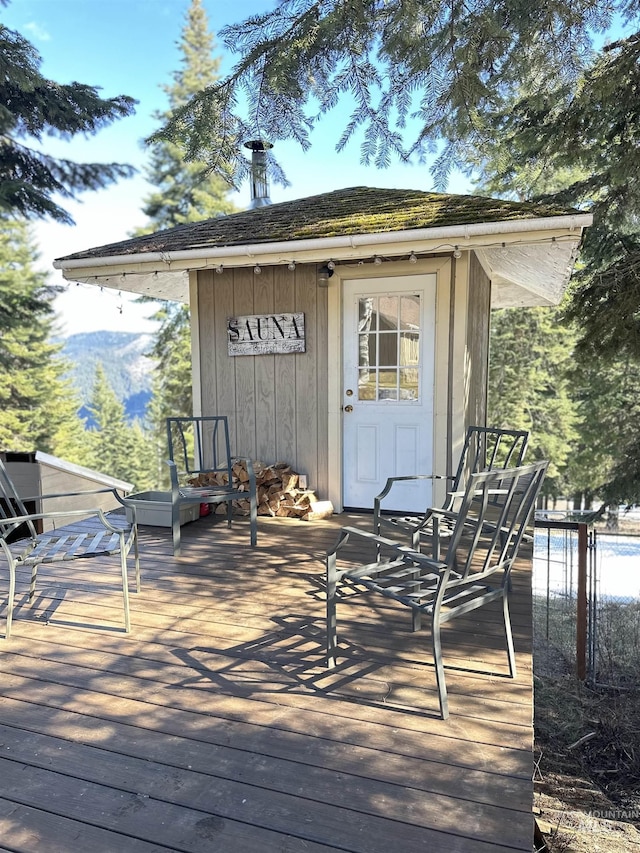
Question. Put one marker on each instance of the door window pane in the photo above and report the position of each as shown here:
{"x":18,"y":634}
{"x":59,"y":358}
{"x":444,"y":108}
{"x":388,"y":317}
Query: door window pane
{"x":367,"y":350}
{"x":388,"y":312}
{"x":389,"y":347}
{"x":367,"y":385}
{"x":409,"y":349}
{"x":409,"y":384}
{"x":367,"y":313}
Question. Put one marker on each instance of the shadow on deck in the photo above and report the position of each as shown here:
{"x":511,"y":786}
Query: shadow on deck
{"x":215,"y":725}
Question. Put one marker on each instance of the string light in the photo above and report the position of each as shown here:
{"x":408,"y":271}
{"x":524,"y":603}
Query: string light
{"x":554,"y":243}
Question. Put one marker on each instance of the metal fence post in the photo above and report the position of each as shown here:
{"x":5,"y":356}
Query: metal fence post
{"x":581,"y":603}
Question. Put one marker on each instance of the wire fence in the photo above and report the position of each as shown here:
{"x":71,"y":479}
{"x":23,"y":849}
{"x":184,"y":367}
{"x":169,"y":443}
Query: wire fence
{"x":586,"y":606}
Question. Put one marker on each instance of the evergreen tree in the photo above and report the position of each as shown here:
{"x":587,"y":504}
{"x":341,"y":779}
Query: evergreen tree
{"x":457,"y":81}
{"x":31,"y":106}
{"x":38,"y":409}
{"x":530,"y":356}
{"x":117,"y":449}
{"x":602,"y":308}
{"x":415,"y":74}
{"x":185,"y":193}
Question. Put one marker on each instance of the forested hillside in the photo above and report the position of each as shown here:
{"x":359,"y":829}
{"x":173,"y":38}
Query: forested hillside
{"x":127,"y":367}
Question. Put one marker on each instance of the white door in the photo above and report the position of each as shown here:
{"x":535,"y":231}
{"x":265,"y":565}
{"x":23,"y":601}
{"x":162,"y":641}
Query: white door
{"x":388,"y":387}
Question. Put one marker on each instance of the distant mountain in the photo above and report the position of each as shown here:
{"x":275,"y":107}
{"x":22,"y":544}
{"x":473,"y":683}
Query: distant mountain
{"x":124,"y":359}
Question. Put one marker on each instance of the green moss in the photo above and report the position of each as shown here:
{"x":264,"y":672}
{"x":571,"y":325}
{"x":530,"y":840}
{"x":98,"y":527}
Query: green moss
{"x":359,"y":210}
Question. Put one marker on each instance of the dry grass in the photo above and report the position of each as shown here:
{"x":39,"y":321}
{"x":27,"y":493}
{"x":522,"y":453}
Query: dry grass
{"x":588,"y":765}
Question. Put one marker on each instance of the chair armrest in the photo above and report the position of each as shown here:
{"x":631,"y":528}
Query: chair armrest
{"x":69,"y":513}
{"x":73,"y":494}
{"x":377,"y":501}
{"x":398,"y":547}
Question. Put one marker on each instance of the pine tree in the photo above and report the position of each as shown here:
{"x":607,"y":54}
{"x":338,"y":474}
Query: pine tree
{"x":530,"y":356}
{"x":414,"y":74}
{"x":38,"y":408}
{"x":563,"y":164}
{"x":540,"y":81}
{"x":117,"y":449}
{"x":185,"y":193}
{"x":31,"y":106}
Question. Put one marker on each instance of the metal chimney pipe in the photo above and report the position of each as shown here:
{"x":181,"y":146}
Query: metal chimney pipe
{"x":259,"y":182}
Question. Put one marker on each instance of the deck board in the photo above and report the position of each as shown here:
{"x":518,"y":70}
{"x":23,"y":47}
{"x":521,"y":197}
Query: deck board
{"x":216,"y":725}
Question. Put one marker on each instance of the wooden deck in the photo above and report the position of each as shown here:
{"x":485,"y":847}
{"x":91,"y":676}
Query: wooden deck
{"x":214,"y":725}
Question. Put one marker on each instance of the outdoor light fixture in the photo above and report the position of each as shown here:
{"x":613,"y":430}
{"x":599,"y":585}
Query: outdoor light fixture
{"x":219,"y":269}
{"x":324,"y":274}
{"x":292,"y":265}
{"x":331,"y":266}
{"x":257,"y":269}
{"x":457,"y":253}
{"x":412,"y":258}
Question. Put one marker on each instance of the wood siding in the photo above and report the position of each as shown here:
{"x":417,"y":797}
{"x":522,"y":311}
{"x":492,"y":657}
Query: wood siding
{"x":276,"y":404}
{"x":478,"y":318}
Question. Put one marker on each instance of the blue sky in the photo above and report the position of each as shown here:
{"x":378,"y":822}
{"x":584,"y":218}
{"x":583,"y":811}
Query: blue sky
{"x":130,"y":47}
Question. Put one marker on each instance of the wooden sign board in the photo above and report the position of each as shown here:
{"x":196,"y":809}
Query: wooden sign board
{"x":262,"y":334}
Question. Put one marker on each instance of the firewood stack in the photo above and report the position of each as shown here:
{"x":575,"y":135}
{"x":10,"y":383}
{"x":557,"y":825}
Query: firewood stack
{"x":277,"y":488}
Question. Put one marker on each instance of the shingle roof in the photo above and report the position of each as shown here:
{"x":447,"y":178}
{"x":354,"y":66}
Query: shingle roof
{"x":358,"y":210}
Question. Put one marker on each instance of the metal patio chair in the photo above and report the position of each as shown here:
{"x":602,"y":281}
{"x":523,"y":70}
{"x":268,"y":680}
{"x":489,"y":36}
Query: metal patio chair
{"x":199,"y":448}
{"x":474,"y":570}
{"x":484,"y":449}
{"x":24,"y":546}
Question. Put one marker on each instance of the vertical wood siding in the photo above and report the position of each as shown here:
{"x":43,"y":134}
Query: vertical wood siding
{"x":479,"y":310}
{"x":276,"y":404}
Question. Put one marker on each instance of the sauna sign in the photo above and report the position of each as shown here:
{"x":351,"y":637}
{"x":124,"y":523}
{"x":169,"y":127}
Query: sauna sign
{"x":262,"y":334}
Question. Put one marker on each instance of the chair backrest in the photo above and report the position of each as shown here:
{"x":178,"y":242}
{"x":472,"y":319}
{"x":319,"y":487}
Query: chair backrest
{"x":200,"y":444}
{"x":491,"y":520}
{"x":11,"y":506}
{"x":486,"y":448}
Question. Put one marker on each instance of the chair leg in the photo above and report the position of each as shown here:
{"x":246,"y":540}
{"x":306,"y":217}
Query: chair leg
{"x":439,"y":666}
{"x":332,"y":630}
{"x":136,"y":553}
{"x":253,"y":518}
{"x":125,"y":586}
{"x":509,"y":636}
{"x":175,"y":528}
{"x":32,"y":585}
{"x":12,"y":593}
{"x":416,"y":620}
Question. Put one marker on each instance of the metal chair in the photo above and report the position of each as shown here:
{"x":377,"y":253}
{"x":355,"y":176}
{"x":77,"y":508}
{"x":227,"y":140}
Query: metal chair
{"x":484,"y":449}
{"x":475,"y":569}
{"x":24,"y":546}
{"x":199,"y":449}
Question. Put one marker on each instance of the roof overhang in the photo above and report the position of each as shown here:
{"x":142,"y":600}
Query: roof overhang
{"x":529,"y":261}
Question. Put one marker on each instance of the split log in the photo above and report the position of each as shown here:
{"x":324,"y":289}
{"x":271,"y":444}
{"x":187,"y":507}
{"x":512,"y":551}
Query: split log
{"x":277,"y":488}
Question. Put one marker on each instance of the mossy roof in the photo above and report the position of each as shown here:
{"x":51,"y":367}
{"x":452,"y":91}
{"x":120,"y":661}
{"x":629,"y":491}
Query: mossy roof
{"x":358,"y":210}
